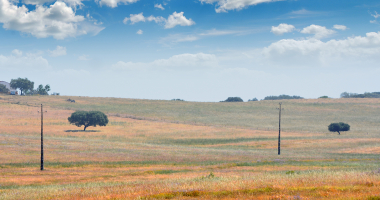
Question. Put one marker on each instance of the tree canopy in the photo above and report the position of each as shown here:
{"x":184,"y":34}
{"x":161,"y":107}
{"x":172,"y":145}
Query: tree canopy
{"x":233,"y":99}
{"x":88,"y":118}
{"x":254,"y":99}
{"x":365,"y":95}
{"x":338,"y":127}
{"x":23,"y":84}
{"x":3,"y":89}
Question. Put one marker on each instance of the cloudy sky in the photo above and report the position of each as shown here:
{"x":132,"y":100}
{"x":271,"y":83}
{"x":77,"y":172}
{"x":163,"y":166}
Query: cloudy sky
{"x":197,"y":50}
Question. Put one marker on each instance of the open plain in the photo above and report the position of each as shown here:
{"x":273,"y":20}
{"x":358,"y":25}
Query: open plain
{"x":155,"y":149}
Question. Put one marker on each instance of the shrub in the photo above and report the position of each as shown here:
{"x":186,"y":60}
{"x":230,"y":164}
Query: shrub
{"x":233,"y":99}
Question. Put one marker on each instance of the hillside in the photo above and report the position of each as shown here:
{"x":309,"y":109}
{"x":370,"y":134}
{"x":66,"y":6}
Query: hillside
{"x":176,"y":150}
{"x":306,"y":115}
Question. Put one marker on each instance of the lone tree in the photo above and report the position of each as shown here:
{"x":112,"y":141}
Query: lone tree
{"x":91,"y":118}
{"x":337,"y":127}
{"x":23,"y":84}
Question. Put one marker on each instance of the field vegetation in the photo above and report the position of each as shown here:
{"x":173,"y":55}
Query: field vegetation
{"x":155,"y":149}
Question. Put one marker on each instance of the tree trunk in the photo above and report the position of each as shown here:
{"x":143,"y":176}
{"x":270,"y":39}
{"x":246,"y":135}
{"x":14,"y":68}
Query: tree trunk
{"x":339,"y":132}
{"x":85,"y":128}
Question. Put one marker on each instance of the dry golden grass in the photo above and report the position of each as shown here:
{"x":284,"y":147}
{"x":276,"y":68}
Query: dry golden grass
{"x":164,"y":159}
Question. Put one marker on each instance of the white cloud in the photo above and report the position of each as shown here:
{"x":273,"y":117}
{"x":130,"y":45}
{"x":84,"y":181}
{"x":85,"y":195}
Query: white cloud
{"x":115,"y":3}
{"x":225,"y":5}
{"x":302,"y":12}
{"x":177,"y":62}
{"x":178,"y":19}
{"x":156,"y":19}
{"x":140,"y":32}
{"x":353,"y":51}
{"x":318,"y":31}
{"x":17,"y":52}
{"x":135,"y":18}
{"x":72,"y":3}
{"x":91,"y":19}
{"x":57,"y":20}
{"x":59,"y":51}
{"x":172,"y":21}
{"x":159,"y":6}
{"x":376,"y":15}
{"x":19,"y":62}
{"x":282,"y":28}
{"x":340,"y":27}
{"x":176,"y":38}
{"x":214,"y":32}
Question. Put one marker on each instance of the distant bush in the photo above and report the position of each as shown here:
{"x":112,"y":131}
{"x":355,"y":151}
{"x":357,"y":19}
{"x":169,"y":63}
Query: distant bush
{"x":254,"y":99}
{"x":233,"y":99}
{"x":365,"y":95}
{"x":3,"y":89}
{"x":323,"y":97}
{"x":284,"y":96}
{"x":178,"y":100}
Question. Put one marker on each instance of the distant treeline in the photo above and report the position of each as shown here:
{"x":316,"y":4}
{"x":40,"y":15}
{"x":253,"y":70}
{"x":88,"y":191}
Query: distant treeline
{"x":365,"y":95}
{"x":284,"y":96}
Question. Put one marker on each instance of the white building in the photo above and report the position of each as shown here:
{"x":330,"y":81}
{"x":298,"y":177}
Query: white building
{"x":8,"y":85}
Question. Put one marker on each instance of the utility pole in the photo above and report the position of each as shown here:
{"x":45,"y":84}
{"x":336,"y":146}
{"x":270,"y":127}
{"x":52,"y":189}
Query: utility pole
{"x":279,"y":130}
{"x":42,"y":139}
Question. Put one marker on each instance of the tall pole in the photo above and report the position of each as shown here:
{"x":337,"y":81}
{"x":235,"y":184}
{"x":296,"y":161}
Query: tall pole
{"x":42,"y":139}
{"x":279,"y":131}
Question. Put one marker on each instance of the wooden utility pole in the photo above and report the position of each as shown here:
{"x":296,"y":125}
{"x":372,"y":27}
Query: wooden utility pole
{"x":279,"y":130}
{"x":42,"y":139}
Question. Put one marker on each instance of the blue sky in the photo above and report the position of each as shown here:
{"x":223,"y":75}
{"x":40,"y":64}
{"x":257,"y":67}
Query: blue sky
{"x":198,"y":50}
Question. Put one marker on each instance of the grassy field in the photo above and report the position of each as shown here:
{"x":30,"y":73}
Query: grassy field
{"x":154,"y":149}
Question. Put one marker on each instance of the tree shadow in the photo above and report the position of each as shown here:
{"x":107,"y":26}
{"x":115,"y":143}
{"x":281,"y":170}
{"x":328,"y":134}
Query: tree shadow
{"x":82,"y":131}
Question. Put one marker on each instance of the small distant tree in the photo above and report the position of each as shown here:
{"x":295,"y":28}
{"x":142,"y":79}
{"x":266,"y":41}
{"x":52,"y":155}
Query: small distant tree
{"x":3,"y":89}
{"x":233,"y":99}
{"x":254,"y":99}
{"x":41,"y":90}
{"x":86,"y":119}
{"x":23,"y":84}
{"x":338,"y":127}
{"x":323,"y":97}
